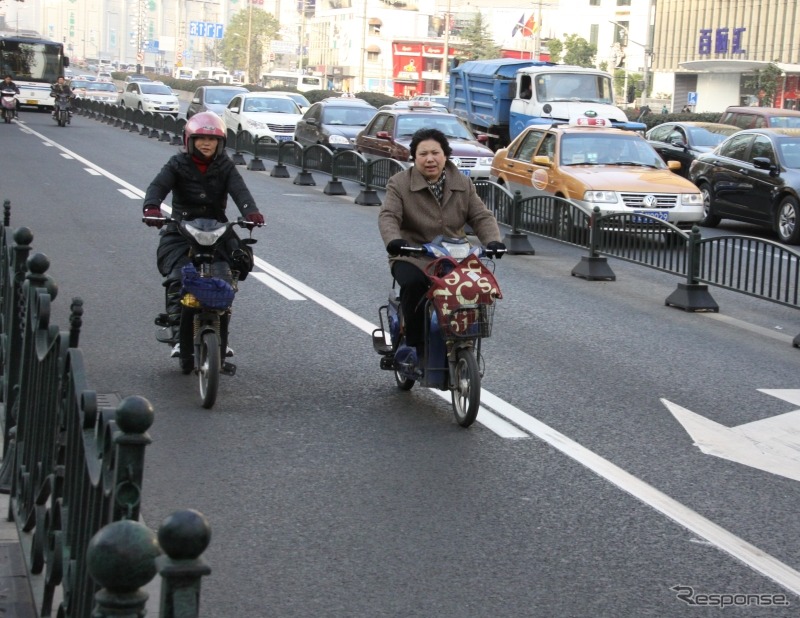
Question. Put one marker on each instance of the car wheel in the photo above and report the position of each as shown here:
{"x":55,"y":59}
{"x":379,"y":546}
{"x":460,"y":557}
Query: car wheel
{"x":786,"y":221}
{"x":709,"y":218}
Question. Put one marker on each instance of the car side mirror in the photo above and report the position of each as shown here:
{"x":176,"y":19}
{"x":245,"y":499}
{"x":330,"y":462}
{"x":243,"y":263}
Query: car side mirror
{"x":196,"y":100}
{"x":763,"y":163}
{"x":234,"y":110}
{"x":674,"y":165}
{"x":677,"y":141}
{"x":542,"y":160}
{"x":482,"y":138}
{"x":120,"y":91}
{"x":383,"y":135}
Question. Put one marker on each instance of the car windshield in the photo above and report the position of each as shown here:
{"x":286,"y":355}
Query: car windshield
{"x":271,"y":105}
{"x":222,"y":96}
{"x":710,"y":138}
{"x":588,"y":149}
{"x":573,"y":87}
{"x":155,"y":89}
{"x":789,"y":149}
{"x":104,"y":86}
{"x":79,"y":83}
{"x":348,"y":116}
{"x":299,"y":99}
{"x":450,"y":126}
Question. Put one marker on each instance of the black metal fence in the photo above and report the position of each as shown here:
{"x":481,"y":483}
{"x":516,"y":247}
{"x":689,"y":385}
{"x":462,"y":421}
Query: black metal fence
{"x":760,"y":268}
{"x":73,"y":463}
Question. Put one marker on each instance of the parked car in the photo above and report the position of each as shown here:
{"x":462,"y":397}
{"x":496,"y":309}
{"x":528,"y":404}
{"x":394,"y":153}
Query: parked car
{"x":389,"y":135}
{"x":264,"y":115}
{"x":753,"y":176}
{"x":334,"y":123}
{"x":105,"y":92}
{"x":104,"y":76}
{"x":613,"y":169}
{"x":758,"y":117}
{"x":684,"y":141}
{"x":298,"y":98}
{"x":212,"y":99}
{"x":150,"y":97}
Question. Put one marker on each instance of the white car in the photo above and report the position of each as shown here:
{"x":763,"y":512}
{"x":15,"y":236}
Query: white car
{"x":150,"y":97}
{"x":101,"y":91}
{"x":273,"y":117}
{"x":298,"y":98}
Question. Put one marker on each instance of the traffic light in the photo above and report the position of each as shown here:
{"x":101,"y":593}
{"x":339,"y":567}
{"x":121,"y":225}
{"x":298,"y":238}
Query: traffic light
{"x":631,"y":93}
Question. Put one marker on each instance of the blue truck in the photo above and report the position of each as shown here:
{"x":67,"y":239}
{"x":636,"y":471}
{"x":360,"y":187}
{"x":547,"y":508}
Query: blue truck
{"x":500,"y":97}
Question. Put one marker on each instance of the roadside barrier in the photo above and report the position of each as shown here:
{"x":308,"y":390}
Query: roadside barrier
{"x":757,"y":267}
{"x":73,"y":462}
{"x":761,"y":268}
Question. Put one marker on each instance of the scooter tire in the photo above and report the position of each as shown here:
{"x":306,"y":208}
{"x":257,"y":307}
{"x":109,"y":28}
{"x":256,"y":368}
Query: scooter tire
{"x":209,"y":366}
{"x":466,"y":392}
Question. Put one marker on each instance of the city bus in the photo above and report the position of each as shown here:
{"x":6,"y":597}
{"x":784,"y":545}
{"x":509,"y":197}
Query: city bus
{"x":184,"y":73}
{"x":34,"y":64}
{"x":295,"y":81}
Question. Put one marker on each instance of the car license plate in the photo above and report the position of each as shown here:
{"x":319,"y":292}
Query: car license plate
{"x":664,"y":216}
{"x":32,"y":102}
{"x":164,"y":108}
{"x":465,"y":172}
{"x":283,"y":138}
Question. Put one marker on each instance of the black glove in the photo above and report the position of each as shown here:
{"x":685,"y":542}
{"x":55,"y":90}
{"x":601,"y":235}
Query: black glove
{"x":493,"y":248}
{"x":394,"y":246}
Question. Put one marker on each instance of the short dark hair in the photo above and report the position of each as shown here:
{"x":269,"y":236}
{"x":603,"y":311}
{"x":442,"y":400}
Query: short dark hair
{"x":426,"y":134}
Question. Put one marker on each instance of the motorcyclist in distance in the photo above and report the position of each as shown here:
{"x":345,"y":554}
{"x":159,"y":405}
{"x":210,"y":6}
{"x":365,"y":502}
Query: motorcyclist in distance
{"x":61,"y":87}
{"x":200,"y":179}
{"x":8,"y":84}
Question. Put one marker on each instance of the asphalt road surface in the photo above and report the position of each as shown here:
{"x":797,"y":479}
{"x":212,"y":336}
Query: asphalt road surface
{"x":579,"y":492}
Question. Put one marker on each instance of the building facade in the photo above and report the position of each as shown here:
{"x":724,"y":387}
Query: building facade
{"x":715,"y":49}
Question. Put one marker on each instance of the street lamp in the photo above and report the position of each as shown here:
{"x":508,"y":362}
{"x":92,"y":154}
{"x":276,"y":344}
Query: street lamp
{"x":249,"y":35}
{"x":647,"y":55}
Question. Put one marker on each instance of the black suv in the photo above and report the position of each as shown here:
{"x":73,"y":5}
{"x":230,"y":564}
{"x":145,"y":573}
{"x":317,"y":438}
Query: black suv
{"x":334,"y":123}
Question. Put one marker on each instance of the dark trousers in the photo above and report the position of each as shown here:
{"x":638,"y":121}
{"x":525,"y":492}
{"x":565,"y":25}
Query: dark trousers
{"x":413,"y":285}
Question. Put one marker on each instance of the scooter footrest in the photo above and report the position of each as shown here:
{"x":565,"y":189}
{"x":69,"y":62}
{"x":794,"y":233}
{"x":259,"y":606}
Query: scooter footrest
{"x":229,"y":369}
{"x":387,"y":363}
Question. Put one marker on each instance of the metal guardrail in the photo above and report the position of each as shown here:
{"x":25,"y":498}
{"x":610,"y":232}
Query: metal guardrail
{"x":73,"y":463}
{"x":757,"y":267}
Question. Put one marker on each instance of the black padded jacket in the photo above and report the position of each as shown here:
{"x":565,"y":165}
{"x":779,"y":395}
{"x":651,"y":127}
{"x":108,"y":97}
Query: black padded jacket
{"x":196,"y":195}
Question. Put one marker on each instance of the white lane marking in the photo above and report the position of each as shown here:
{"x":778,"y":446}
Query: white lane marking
{"x":91,"y":171}
{"x":65,"y":155}
{"x":770,"y":444}
{"x":740,"y":549}
{"x":721,"y":538}
{"x":276,"y":285}
{"x":759,"y":330}
{"x":129,"y":194}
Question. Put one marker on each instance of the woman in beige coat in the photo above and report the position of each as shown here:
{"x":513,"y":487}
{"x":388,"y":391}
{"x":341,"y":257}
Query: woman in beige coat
{"x":430,"y":198}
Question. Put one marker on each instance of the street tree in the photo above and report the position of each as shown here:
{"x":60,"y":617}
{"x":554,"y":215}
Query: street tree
{"x":579,"y":51}
{"x":262,"y":28}
{"x":479,"y":44}
{"x":555,"y":48}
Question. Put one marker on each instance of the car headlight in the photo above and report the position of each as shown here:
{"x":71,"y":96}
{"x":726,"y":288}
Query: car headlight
{"x":600,"y":197}
{"x":338,"y":139}
{"x":485,"y":160}
{"x":692,"y":199}
{"x":256,"y":125}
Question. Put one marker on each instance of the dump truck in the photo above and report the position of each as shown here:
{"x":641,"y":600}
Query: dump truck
{"x":499,"y":98}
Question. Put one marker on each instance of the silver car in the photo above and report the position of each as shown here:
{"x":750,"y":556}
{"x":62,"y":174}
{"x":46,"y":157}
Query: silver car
{"x":212,"y":99}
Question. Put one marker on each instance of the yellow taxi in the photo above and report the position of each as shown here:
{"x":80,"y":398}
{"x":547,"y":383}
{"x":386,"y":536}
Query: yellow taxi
{"x":592,"y":164}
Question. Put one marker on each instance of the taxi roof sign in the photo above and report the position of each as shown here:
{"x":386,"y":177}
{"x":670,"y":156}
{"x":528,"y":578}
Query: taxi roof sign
{"x":583,"y":121}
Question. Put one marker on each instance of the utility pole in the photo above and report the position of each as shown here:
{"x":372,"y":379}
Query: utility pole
{"x":363,"y":48}
{"x":648,"y":50}
{"x":446,"y":55}
{"x":249,"y":39}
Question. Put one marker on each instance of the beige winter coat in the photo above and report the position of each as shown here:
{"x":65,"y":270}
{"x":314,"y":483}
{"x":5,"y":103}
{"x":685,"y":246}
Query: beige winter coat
{"x":411,"y":212}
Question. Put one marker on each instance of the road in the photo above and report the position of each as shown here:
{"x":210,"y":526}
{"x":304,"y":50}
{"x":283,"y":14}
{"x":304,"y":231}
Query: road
{"x":579,"y":492}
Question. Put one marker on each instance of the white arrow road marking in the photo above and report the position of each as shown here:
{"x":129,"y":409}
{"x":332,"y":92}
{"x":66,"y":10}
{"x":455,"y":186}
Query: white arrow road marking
{"x":771,"y":444}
